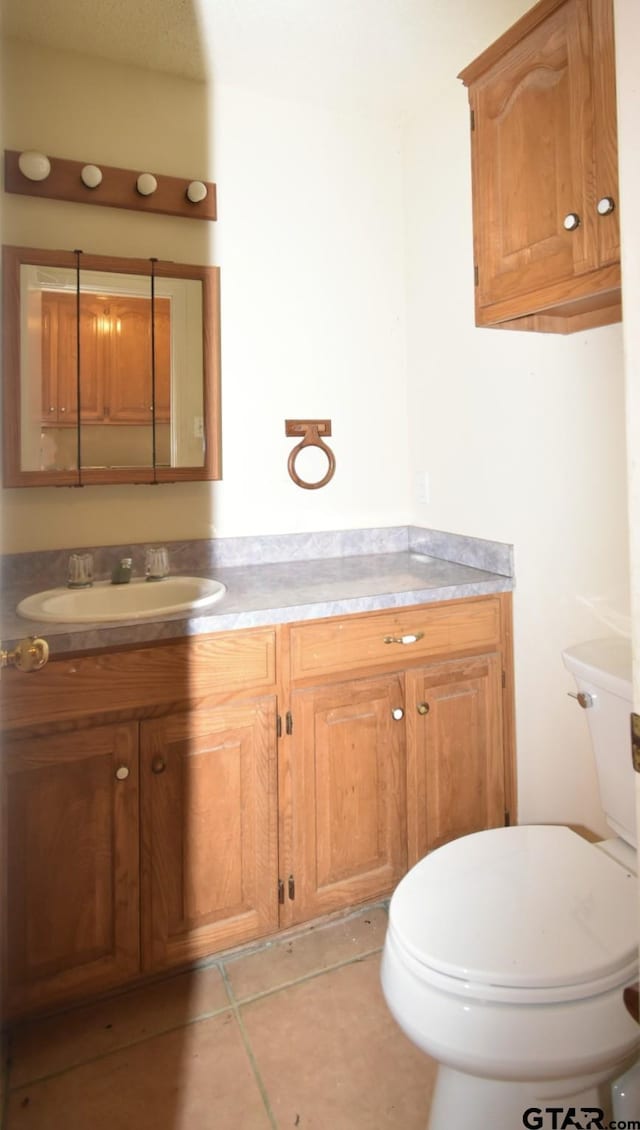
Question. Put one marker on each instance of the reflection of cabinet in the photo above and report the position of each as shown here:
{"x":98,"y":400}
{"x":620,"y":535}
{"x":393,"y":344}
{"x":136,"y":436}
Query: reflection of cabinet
{"x":203,"y":793}
{"x":115,"y":359}
{"x":544,"y":155}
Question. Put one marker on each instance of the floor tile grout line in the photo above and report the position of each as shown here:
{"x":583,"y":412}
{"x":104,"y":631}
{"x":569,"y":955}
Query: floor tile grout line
{"x":188,"y":1023}
{"x":249,"y":1050}
{"x":200,"y":1018}
{"x":308,"y":976}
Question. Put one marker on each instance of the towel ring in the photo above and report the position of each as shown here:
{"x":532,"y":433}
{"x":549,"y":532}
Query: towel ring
{"x":311,"y":432}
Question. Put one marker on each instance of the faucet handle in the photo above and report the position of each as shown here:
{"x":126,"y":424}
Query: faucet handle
{"x":80,"y":571}
{"x":156,"y":563}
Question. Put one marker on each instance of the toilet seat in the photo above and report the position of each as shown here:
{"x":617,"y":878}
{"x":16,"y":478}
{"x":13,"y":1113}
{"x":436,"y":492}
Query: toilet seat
{"x":529,"y":914}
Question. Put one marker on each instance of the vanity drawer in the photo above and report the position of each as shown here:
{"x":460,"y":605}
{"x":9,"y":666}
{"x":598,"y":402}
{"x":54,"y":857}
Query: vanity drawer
{"x":397,"y":636}
{"x":141,"y":679}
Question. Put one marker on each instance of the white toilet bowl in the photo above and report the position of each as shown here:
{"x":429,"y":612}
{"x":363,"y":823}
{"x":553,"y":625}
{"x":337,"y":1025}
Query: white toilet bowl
{"x":505,"y":960}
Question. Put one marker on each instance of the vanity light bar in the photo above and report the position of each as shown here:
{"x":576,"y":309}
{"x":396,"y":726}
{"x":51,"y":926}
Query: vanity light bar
{"x":83,"y":183}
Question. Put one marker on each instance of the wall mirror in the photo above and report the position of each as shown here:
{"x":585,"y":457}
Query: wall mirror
{"x":111,"y":369}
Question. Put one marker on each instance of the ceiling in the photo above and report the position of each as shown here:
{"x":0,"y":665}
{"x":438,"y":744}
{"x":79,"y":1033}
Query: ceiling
{"x":374,"y":50}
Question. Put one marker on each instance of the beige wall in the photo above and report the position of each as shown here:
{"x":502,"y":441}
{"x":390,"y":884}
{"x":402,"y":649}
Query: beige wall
{"x":523,"y":437}
{"x":310,"y":245}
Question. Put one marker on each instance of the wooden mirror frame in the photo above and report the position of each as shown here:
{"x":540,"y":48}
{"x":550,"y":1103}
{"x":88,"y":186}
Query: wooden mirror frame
{"x":13,"y":474}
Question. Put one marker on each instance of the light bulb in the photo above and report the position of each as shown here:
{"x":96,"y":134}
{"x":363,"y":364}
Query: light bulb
{"x":146,"y":184}
{"x":91,"y":176}
{"x":196,"y":191}
{"x":34,"y":166}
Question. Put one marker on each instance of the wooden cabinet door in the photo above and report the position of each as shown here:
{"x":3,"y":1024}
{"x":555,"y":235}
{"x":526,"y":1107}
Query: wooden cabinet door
{"x":455,"y":759}
{"x":533,"y":160}
{"x":128,"y":375}
{"x":348,"y":794}
{"x":60,"y":358}
{"x":129,"y":361}
{"x":209,"y":828}
{"x":71,"y":873}
{"x":605,"y":129}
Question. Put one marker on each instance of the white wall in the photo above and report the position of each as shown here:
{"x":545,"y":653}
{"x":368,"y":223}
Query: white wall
{"x":310,"y":244}
{"x":345,"y":247}
{"x":523,"y":438}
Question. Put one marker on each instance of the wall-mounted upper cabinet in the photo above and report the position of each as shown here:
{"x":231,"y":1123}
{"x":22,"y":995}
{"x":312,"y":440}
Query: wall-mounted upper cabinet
{"x":544,"y":165}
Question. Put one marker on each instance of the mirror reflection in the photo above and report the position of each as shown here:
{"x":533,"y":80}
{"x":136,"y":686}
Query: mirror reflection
{"x":116,"y":370}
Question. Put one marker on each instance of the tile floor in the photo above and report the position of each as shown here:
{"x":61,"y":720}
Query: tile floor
{"x":294,"y":1033}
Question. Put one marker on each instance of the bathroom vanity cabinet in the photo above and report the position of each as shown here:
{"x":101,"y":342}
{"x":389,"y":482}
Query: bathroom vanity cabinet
{"x":544,"y":170}
{"x":384,"y":769}
{"x":166,"y":802}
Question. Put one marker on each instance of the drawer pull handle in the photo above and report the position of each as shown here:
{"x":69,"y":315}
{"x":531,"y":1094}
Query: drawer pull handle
{"x":423,"y":708}
{"x":397,"y":713}
{"x":158,"y":765}
{"x":412,"y":637}
{"x":122,"y":773}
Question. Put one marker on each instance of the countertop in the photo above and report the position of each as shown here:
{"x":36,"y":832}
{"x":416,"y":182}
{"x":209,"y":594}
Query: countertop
{"x":262,"y":593}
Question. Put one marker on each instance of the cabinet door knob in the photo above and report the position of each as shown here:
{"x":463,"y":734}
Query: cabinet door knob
{"x":605,"y":205}
{"x":397,"y":713}
{"x":571,"y":221}
{"x":158,"y":765}
{"x":122,"y":773}
{"x":423,"y":708}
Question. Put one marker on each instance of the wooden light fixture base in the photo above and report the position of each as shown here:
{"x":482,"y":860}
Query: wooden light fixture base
{"x":116,"y":190}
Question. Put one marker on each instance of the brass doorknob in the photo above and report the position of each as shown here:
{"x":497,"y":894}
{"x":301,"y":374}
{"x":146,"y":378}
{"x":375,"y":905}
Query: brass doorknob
{"x":158,"y":765}
{"x":28,"y":655}
{"x":423,"y":708}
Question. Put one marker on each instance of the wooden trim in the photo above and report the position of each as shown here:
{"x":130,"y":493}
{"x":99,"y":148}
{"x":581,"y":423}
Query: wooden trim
{"x":515,"y":33}
{"x":605,"y":282}
{"x":508,"y":710}
{"x":117,"y":189}
{"x":13,"y":476}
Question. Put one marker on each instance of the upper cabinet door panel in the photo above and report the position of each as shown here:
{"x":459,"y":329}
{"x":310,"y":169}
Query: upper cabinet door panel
{"x":532,"y":142}
{"x":606,"y":134}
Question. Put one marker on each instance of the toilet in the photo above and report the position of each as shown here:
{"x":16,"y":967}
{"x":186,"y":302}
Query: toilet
{"x":507,"y":951}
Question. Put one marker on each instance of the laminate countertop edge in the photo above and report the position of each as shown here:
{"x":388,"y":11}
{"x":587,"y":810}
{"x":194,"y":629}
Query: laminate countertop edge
{"x":262,"y":594}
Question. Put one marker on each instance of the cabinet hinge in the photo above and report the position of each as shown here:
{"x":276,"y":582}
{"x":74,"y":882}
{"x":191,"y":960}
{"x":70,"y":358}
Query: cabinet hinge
{"x":475,"y":274}
{"x":289,"y":722}
{"x":280,"y":892}
{"x":278,"y":726}
{"x":292,"y":888}
{"x":507,"y":819}
{"x":635,"y":742}
{"x":472,"y":115}
{"x":504,"y":679}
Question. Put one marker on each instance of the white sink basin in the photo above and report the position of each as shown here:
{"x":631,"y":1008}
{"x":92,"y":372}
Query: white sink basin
{"x":138,"y":600}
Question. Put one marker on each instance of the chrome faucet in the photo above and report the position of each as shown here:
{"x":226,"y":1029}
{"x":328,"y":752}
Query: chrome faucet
{"x":121,"y":573}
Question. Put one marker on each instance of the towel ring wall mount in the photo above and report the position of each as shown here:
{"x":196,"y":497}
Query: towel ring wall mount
{"x":312,"y":432}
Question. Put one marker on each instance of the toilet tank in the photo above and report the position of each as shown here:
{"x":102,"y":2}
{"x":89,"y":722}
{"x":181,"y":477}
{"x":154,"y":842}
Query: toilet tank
{"x":602,"y":669}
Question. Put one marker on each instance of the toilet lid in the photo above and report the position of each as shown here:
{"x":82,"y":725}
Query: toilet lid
{"x":523,"y":907}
